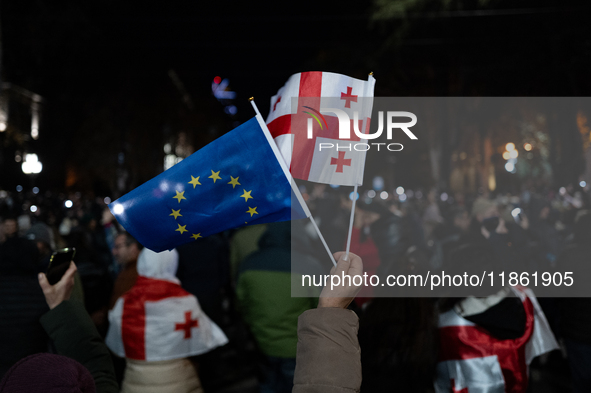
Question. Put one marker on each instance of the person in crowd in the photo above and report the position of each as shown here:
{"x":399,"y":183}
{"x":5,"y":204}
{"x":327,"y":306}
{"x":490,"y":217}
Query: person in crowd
{"x":204,"y":272}
{"x":543,"y":231}
{"x":265,"y":282}
{"x":157,"y":326}
{"x":21,"y":302}
{"x":576,"y":311}
{"x":126,"y":251}
{"x":82,"y":362}
{"x":398,"y":338}
{"x":446,"y":237}
{"x":488,"y":341}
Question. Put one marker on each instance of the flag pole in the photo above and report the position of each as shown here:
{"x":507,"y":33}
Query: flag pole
{"x":355,"y":197}
{"x":256,"y":109}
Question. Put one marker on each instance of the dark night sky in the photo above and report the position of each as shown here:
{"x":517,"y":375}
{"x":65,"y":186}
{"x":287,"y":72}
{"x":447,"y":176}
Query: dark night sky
{"x":91,"y":58}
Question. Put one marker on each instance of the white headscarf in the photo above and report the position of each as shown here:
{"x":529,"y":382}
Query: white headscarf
{"x":159,"y":265}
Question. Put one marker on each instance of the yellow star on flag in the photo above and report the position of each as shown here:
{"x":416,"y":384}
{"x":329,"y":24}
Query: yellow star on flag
{"x":234,"y":182}
{"x":194,"y":181}
{"x":181,"y":229}
{"x":246,"y":195}
{"x":252,"y":210}
{"x":179,"y":196}
{"x":215,"y":176}
{"x":176,"y":213}
{"x":196,"y":236}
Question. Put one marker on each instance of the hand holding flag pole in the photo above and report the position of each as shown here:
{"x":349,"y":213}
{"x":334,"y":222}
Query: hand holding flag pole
{"x":266,"y":130}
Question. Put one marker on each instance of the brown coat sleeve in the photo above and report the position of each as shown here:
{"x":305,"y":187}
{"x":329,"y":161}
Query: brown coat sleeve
{"x":328,"y":357}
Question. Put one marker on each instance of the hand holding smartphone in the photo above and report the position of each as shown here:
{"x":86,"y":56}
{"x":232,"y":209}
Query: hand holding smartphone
{"x":59,"y":263}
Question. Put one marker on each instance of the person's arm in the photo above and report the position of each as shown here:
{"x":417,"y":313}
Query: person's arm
{"x":328,"y":357}
{"x":74,"y":335}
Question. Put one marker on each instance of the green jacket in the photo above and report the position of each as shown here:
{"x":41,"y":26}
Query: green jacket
{"x":264,"y":294}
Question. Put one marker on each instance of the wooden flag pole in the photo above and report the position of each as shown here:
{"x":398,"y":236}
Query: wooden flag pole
{"x":251,"y":99}
{"x":355,"y":197}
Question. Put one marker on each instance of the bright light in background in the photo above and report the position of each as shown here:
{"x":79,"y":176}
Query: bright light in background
{"x":167,"y":148}
{"x":31,"y":164}
{"x":217,"y":80}
{"x":513,"y":154}
{"x":384,"y":195}
{"x":515,"y":212}
{"x":506,"y":155}
{"x":583,"y":184}
{"x":354,"y":194}
{"x":169,"y":161}
{"x":509,"y":167}
{"x":400,"y":190}
{"x":402,"y":197}
{"x":35,"y":190}
{"x":527,"y":147}
{"x":68,"y":204}
{"x":510,"y":146}
{"x":19,"y":188}
{"x":371,"y":194}
{"x":562,"y":190}
{"x":2,"y":126}
{"x":378,"y":183}
{"x":33,"y":208}
{"x":444,"y":196}
{"x":334,"y":186}
{"x":118,"y":209}
{"x":107,"y":200}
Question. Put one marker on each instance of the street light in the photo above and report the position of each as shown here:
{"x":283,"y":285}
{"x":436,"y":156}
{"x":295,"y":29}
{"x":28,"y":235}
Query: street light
{"x":31,"y":165}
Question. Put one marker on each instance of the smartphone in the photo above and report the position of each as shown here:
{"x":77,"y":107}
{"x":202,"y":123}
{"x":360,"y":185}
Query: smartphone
{"x":59,"y":263}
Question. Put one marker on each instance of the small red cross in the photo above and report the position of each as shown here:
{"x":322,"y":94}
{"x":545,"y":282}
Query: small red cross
{"x":348,"y":97}
{"x":453,"y":388}
{"x":340,"y":162}
{"x":189,"y":323}
{"x":276,"y":102}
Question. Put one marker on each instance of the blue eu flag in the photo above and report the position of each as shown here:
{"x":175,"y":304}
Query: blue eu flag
{"x":237,"y":180}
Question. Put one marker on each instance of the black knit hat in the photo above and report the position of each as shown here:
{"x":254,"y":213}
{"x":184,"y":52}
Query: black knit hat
{"x":46,"y":372}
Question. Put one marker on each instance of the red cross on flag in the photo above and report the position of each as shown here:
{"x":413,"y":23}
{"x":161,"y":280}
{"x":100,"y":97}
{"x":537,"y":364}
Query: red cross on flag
{"x":473,"y":361}
{"x":157,"y":319}
{"x":307,"y":130}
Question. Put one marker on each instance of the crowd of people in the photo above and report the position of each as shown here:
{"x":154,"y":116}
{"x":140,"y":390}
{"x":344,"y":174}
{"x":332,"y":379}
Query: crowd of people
{"x":221,"y":310}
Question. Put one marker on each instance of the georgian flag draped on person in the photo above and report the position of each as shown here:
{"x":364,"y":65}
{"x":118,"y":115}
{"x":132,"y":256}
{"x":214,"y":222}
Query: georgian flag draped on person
{"x":157,"y":319}
{"x":473,"y":361}
{"x":288,"y":124}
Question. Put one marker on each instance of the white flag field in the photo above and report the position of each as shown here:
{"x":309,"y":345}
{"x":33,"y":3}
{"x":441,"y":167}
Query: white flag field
{"x":304,"y":122}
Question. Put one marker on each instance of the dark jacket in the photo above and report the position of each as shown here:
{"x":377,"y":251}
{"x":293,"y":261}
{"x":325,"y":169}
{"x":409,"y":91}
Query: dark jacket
{"x":74,"y":335}
{"x":21,"y":303}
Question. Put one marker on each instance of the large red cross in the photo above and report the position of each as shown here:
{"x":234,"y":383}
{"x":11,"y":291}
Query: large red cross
{"x":454,"y":390}
{"x":189,"y":323}
{"x":276,"y":102}
{"x":340,"y":162}
{"x":348,"y":97}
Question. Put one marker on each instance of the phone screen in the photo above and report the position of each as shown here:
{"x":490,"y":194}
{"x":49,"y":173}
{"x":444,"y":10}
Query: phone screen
{"x":59,"y":263}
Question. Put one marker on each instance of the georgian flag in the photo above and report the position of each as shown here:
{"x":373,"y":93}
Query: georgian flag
{"x":158,"y":320}
{"x":288,"y":124}
{"x":472,"y":361}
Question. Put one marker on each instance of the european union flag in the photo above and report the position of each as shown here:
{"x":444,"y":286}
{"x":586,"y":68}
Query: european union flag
{"x":237,"y":180}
